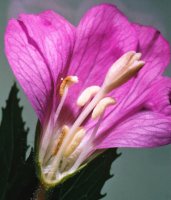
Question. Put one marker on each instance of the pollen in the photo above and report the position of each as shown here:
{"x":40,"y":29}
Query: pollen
{"x":66,"y":83}
{"x":87,"y":95}
{"x":76,"y":140}
{"x":58,"y":143}
{"x":101,"y":106}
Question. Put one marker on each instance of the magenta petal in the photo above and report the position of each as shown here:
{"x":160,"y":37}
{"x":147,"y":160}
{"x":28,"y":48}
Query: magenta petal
{"x":154,"y":48}
{"x":100,"y":40}
{"x":55,"y":38}
{"x":38,"y":48}
{"x":156,"y":54}
{"x":145,"y":129}
{"x":159,"y":98}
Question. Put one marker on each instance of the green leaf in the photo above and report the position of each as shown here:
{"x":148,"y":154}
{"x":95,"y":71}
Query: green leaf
{"x":16,"y":173}
{"x":86,"y":184}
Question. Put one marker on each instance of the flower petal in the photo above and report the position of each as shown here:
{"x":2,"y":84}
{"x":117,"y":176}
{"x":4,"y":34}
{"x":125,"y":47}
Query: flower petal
{"x":101,"y":39}
{"x":39,"y":48}
{"x":159,"y":98}
{"x":156,"y":53}
{"x":102,"y":36}
{"x":145,"y":129}
{"x":154,"y":48}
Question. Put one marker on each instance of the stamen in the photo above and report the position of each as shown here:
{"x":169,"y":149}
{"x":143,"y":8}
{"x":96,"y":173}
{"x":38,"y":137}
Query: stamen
{"x":68,"y":162}
{"x":122,"y":70}
{"x":87,"y":95}
{"x":101,"y":106}
{"x":77,"y":123}
{"x":59,"y":108}
{"x":68,"y":81}
{"x":63,"y":91}
{"x":88,"y":144}
{"x":58,"y":143}
{"x":74,"y":142}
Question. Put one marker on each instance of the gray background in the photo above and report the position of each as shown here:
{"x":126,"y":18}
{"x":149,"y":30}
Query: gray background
{"x":140,"y":174}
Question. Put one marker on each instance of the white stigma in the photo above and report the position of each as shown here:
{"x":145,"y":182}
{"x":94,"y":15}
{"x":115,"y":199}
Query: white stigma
{"x":122,"y":70}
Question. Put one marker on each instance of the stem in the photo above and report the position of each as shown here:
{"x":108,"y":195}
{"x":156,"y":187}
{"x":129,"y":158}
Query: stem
{"x":40,"y":194}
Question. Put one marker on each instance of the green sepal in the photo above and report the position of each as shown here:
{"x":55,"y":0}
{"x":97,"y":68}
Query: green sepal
{"x":86,"y":183}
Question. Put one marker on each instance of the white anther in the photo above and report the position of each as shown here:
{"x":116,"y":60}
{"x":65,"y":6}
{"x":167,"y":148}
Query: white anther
{"x":87,"y":94}
{"x":122,"y":70}
{"x":75,"y":142}
{"x":101,"y":106}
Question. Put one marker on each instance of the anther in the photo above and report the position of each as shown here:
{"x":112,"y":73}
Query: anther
{"x":67,"y":82}
{"x":122,"y":70}
{"x":75,"y":142}
{"x":101,"y":106}
{"x":69,"y":161}
{"x":58,"y":143}
{"x":87,"y":95}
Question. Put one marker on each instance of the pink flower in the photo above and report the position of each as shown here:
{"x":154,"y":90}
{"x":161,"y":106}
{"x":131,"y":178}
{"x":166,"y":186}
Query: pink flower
{"x":88,"y":86}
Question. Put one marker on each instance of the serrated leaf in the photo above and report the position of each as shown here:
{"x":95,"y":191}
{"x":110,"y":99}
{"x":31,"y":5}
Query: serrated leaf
{"x":24,"y":185}
{"x":86,"y":184}
{"x":13,"y":138}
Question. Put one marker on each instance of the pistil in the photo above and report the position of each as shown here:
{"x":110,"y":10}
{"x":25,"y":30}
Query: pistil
{"x":122,"y":70}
